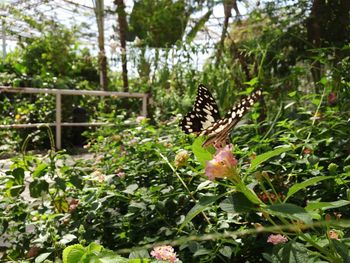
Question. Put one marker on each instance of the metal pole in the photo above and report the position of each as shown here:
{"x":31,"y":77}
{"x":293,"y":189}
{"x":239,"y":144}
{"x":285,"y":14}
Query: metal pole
{"x":3,"y":40}
{"x":58,"y":121}
{"x":144,"y":105}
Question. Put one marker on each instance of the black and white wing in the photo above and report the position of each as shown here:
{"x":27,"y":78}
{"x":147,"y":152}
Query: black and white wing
{"x":220,"y":130}
{"x":204,"y":113}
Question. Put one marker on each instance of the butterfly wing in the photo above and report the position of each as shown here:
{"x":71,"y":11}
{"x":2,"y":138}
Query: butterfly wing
{"x":219,"y":131}
{"x":204,"y":113}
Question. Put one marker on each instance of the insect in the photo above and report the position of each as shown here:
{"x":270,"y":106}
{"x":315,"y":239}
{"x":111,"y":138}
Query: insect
{"x":204,"y":118}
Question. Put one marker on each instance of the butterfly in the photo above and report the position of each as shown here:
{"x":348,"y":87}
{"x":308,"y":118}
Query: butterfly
{"x":204,"y":118}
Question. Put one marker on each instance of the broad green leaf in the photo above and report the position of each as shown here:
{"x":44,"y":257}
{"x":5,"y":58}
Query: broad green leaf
{"x":265,"y":156}
{"x":140,"y":253}
{"x":249,"y":193}
{"x":90,"y":258}
{"x":201,"y":252}
{"x":42,"y":257}
{"x":253,"y":82}
{"x":106,"y":256}
{"x":291,"y":252}
{"x":226,"y":251}
{"x":290,"y":211}
{"x":342,"y":249}
{"x":297,"y":187}
{"x":202,"y":154}
{"x":18,"y":175}
{"x":237,"y":203}
{"x":326,"y":205}
{"x":292,"y":94}
{"x":40,"y":170}
{"x":37,"y":187}
{"x":130,"y":189}
{"x":14,"y":190}
{"x":61,"y":205}
{"x":73,"y":253}
{"x":203,"y":203}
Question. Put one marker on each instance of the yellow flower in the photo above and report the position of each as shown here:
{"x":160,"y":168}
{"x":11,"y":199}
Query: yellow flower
{"x":181,"y":158}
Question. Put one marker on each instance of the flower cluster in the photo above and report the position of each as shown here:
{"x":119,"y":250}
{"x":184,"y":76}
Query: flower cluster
{"x":165,"y":253}
{"x":181,"y":158}
{"x":332,"y":234}
{"x":223,"y":165}
{"x":277,"y":239}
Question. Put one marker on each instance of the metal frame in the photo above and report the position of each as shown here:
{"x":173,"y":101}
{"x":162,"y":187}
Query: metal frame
{"x":59,"y":93}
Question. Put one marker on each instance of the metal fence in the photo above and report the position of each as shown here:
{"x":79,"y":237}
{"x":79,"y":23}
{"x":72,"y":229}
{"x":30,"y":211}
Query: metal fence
{"x":59,"y":93}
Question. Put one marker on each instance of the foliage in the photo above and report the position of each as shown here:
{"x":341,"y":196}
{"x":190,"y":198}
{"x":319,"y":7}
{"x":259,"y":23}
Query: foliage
{"x":158,"y":23}
{"x":145,"y":185}
{"x":132,"y":186}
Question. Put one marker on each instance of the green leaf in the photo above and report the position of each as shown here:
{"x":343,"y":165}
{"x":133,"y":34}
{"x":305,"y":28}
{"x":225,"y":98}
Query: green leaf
{"x":311,"y":206}
{"x":42,"y":257}
{"x":40,"y":170}
{"x":18,"y":175}
{"x":73,"y":253}
{"x":14,"y":190}
{"x":237,"y":203}
{"x":292,"y":94}
{"x":106,"y":256}
{"x":90,"y":258}
{"x":202,"y":154}
{"x":249,"y":193}
{"x":312,"y":181}
{"x":342,"y":249}
{"x":268,"y":155}
{"x":201,"y":252}
{"x":203,"y":203}
{"x":76,"y":181}
{"x":138,"y":260}
{"x":290,"y":211}
{"x":139,"y":253}
{"x":291,"y":252}
{"x":198,"y":26}
{"x":253,"y":82}
{"x":67,"y":239}
{"x":226,"y":251}
{"x":37,"y":187}
{"x":94,"y":247}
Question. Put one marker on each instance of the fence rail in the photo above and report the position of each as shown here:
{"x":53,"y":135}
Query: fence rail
{"x":59,"y":93}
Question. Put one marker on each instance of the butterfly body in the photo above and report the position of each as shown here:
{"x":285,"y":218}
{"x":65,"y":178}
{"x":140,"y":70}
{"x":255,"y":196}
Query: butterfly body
{"x":204,"y":118}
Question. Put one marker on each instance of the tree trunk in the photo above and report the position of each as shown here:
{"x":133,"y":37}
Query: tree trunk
{"x":122,"y":36}
{"x":102,"y":59}
{"x":228,"y":5}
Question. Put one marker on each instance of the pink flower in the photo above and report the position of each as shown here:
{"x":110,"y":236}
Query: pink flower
{"x":332,"y":98}
{"x":120,"y":173}
{"x":140,"y":119}
{"x":164,"y":253}
{"x":277,"y":239}
{"x":223,"y":165}
{"x":333,"y":234}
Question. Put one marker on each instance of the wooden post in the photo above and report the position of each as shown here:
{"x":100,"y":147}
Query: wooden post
{"x":144,"y":105}
{"x":58,"y":121}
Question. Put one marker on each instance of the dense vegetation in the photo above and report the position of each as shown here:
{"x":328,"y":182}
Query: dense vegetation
{"x":146,"y":183}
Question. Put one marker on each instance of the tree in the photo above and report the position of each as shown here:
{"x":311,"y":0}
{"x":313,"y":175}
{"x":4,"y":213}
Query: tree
{"x":123,"y":26}
{"x":102,"y":59}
